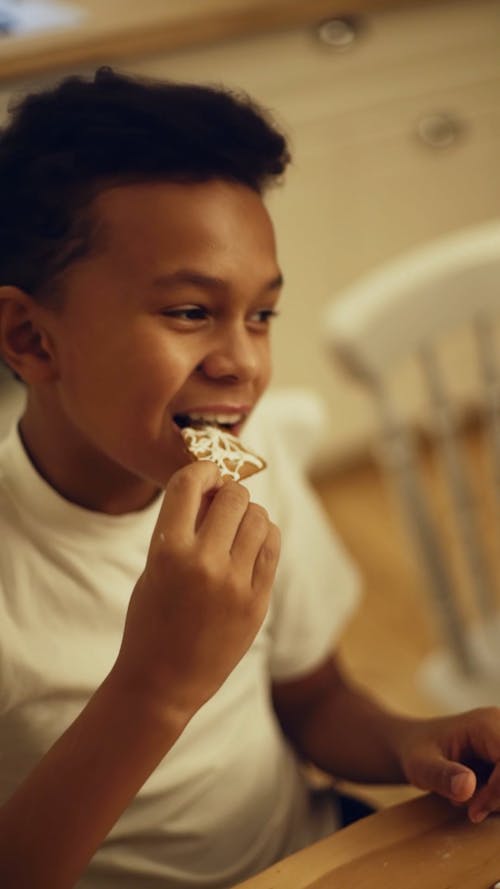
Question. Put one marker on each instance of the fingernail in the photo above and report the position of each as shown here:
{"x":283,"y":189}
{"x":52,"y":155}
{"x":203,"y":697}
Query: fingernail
{"x":478,"y":816}
{"x":459,"y":784}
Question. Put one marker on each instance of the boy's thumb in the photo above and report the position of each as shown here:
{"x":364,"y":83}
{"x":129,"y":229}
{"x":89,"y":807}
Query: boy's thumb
{"x":450,"y":779}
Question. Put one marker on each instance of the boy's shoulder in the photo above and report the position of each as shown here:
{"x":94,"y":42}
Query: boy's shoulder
{"x":9,"y":444}
{"x":5,"y":494}
{"x":14,"y":500}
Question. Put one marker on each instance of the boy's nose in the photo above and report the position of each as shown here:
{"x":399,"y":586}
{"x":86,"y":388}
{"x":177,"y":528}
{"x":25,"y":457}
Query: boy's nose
{"x":234,"y":356}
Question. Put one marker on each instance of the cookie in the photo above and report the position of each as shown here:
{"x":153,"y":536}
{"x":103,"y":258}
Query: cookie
{"x":212,"y":443}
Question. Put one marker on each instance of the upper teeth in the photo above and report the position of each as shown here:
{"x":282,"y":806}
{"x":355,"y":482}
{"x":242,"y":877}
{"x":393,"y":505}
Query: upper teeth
{"x":226,"y":419}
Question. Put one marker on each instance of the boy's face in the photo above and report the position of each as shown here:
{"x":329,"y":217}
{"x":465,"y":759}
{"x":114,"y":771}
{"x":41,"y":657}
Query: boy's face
{"x":170,"y":317}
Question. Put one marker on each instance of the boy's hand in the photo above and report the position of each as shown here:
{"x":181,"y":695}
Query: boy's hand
{"x":457,"y":757}
{"x":204,"y":592}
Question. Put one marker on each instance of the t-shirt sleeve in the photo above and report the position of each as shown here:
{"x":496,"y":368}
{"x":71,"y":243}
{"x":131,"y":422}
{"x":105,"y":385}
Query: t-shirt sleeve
{"x":317,"y":586}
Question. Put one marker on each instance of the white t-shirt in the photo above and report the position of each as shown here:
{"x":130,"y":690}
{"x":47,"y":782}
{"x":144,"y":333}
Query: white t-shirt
{"x":230,"y":798}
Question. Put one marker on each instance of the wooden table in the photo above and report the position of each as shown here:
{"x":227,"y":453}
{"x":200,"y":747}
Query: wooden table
{"x":422,"y":844}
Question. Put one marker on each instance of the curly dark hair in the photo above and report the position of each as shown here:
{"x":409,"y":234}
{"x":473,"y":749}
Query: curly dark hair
{"x":64,"y":145}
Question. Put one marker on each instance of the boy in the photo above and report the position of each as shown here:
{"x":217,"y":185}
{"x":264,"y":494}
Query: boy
{"x":155,"y":698}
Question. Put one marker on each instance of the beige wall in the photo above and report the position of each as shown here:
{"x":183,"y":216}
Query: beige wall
{"x":364,"y":186}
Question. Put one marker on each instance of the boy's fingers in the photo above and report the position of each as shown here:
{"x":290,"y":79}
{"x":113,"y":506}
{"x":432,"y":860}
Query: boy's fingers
{"x":223,"y":517}
{"x":250,"y":536}
{"x":487,"y":799}
{"x":440,"y":775}
{"x":185,"y":495}
{"x":267,"y":561}
{"x":462,"y":785}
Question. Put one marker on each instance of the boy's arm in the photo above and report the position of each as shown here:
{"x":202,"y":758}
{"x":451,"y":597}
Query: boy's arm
{"x":57,"y":818}
{"x":345,"y":732}
{"x":209,"y":573}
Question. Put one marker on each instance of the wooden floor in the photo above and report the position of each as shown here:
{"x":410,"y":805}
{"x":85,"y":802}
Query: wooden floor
{"x":395,"y":628}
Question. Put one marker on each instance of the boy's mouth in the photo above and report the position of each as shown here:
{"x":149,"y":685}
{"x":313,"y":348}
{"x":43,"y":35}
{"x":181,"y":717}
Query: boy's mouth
{"x":227,"y":422}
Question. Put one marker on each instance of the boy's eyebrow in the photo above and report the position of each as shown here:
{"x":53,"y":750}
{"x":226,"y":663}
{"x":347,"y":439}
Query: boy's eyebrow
{"x":209,"y":282}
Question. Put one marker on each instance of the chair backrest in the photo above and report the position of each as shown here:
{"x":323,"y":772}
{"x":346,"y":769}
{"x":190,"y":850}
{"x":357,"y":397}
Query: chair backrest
{"x":408,"y":303}
{"x":405,"y":309}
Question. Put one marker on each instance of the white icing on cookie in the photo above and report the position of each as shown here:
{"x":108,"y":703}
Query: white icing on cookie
{"x":211,"y":443}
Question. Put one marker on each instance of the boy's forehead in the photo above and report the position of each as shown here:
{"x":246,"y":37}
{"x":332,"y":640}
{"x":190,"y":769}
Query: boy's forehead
{"x":173,"y":204}
{"x":155,"y":222}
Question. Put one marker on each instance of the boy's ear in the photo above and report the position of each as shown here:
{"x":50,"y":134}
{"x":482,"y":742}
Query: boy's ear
{"x":24,"y":345}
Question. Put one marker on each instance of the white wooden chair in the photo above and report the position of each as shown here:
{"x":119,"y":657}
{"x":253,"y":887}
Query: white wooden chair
{"x":408,"y":308}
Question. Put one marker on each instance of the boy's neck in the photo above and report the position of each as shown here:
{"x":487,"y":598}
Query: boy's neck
{"x":79,"y":474}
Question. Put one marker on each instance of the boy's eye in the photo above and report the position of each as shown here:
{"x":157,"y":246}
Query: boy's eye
{"x":187,"y":313}
{"x":264,"y":316}
{"x":199,"y":313}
